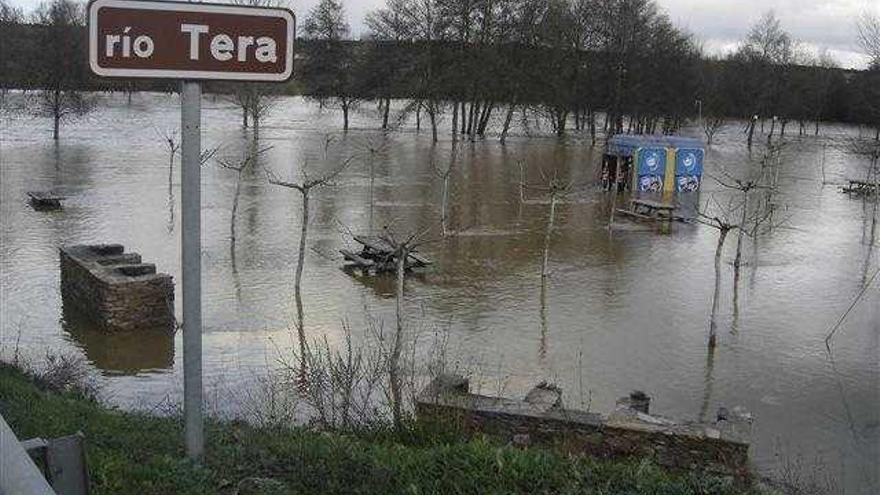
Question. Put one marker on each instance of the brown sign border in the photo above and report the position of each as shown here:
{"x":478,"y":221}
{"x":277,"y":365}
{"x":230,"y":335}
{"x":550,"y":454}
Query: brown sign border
{"x":134,"y":5}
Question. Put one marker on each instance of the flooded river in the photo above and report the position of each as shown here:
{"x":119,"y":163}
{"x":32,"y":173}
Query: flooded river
{"x":622,"y":311}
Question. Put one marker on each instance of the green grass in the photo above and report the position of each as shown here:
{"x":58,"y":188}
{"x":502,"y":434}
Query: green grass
{"x":138,"y":454}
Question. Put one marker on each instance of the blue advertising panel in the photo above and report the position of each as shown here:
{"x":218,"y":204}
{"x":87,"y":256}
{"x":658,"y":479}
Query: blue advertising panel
{"x":688,"y":169}
{"x":651,"y":169}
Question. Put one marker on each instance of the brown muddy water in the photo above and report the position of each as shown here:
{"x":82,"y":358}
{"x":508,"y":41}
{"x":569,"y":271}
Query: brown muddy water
{"x":622,"y":311}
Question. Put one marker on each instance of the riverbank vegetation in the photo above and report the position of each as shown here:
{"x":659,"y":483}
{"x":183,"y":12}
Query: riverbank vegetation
{"x":588,"y":66}
{"x":142,"y":454}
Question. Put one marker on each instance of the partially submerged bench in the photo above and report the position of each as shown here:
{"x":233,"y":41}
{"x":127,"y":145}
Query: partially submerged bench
{"x":44,"y":200}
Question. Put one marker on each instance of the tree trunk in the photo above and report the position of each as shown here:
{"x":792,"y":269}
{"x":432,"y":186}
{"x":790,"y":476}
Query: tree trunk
{"x":751,"y":132}
{"x":397,"y":345}
{"x":419,"y":116}
{"x":484,"y":119}
{"x":547,"y":234}
{"x":297,"y":292}
{"x":591,"y":116}
{"x":244,"y":116}
{"x":463,"y":117}
{"x":444,"y":203}
{"x":345,"y":116}
{"x":470,"y":123}
{"x":722,"y":235}
{"x":614,"y":191}
{"x":170,"y":170}
{"x":561,"y":118}
{"x":506,"y":127}
{"x":235,"y":207}
{"x":742,"y":224}
{"x":302,"y":240}
{"x":433,"y":117}
{"x":454,"y":121}
{"x":385,"y":112}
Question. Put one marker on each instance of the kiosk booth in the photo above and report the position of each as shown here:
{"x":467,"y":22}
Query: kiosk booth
{"x":653,"y":165}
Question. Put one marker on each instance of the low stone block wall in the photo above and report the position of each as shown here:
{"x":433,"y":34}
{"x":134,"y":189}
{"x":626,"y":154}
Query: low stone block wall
{"x":541,"y":419}
{"x":114,"y":289}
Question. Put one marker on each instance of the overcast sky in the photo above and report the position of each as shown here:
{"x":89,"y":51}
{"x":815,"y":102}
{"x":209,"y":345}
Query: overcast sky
{"x":717,"y":24}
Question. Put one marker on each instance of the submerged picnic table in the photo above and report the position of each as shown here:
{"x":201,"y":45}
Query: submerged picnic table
{"x":857,"y":186}
{"x":650,"y":210}
{"x":379,"y":255}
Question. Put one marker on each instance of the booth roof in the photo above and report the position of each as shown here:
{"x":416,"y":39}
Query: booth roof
{"x":626,"y":144}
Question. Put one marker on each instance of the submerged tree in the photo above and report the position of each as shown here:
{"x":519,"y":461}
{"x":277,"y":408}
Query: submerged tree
{"x":61,"y":75}
{"x":443,"y":174}
{"x":724,"y":226}
{"x":554,"y":188}
{"x":240,"y":166}
{"x":329,"y":70}
{"x":403,"y":246}
{"x":256,"y":100}
{"x":305,"y":187}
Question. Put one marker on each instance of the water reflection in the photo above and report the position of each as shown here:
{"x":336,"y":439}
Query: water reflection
{"x":121,"y":353}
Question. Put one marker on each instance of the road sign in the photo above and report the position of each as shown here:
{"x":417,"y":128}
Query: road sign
{"x":145,"y":38}
{"x":190,"y":41}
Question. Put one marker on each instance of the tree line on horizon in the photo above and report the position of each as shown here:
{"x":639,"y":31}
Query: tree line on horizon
{"x":596,"y":66}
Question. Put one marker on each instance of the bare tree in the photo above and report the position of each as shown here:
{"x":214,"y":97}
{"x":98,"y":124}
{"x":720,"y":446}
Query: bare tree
{"x":172,"y":144}
{"x":255,"y":100}
{"x":711,"y":126}
{"x":329,"y":69}
{"x":10,"y":14}
{"x":443,"y":174}
{"x":61,"y":75}
{"x":326,"y":21}
{"x":720,"y":222}
{"x":868,"y":27}
{"x":373,"y":150}
{"x":745,"y":187}
{"x":403,"y":247}
{"x":554,"y":189}
{"x":240,"y":166}
{"x":304,"y":187}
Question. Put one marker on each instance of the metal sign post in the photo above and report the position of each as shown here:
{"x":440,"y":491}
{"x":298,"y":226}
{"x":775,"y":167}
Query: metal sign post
{"x":190,"y":42}
{"x":191,"y":249}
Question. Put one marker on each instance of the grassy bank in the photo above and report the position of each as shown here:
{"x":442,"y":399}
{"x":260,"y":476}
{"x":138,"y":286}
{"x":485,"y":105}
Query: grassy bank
{"x":139,"y":454}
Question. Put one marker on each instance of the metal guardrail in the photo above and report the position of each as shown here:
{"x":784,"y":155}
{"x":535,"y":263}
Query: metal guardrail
{"x":18,"y":473}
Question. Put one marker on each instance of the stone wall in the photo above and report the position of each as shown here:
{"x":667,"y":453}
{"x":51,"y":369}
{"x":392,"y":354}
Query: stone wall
{"x":540,"y":419}
{"x":114,"y":289}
